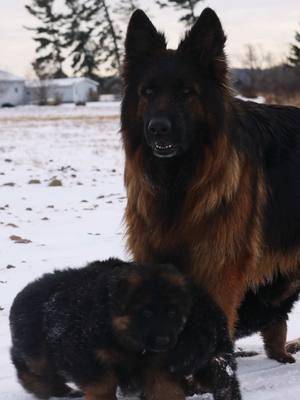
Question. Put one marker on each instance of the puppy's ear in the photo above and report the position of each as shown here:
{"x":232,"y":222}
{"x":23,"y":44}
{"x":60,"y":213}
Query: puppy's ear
{"x":205,"y":41}
{"x":142,"y":39}
{"x":123,"y":286}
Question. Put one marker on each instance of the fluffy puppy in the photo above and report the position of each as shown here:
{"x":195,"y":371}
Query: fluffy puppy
{"x":118,"y":324}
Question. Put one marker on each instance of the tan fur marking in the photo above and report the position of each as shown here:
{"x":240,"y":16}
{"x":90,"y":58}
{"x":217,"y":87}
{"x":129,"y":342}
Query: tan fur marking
{"x":134,"y":279}
{"x":163,"y":103}
{"x":33,"y":384}
{"x":43,"y":386}
{"x":159,"y":385}
{"x":175,"y":279}
{"x":108,"y":356}
{"x":37,"y":365}
{"x":220,"y":224}
{"x":121,"y":323}
{"x":274,"y":337}
{"x":228,"y":291}
{"x":104,"y":390}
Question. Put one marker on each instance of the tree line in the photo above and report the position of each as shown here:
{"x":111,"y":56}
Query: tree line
{"x":277,"y":82}
{"x":87,"y":34}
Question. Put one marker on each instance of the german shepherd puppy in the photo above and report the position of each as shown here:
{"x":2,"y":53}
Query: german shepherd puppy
{"x":119,"y":324}
{"x":212,"y":181}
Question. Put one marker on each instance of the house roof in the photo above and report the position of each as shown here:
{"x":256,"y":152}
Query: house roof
{"x":6,"y":76}
{"x":72,"y":81}
{"x":63,"y":82}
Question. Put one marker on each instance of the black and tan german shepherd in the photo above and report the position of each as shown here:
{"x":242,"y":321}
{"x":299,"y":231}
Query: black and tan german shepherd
{"x":213,"y":182}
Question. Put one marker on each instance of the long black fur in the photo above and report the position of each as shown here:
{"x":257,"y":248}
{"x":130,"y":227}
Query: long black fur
{"x":190,"y":88}
{"x":266,"y":135}
{"x":61,"y":321}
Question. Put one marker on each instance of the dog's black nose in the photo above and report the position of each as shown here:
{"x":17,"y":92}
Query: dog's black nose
{"x":162,"y":341}
{"x":159,"y":126}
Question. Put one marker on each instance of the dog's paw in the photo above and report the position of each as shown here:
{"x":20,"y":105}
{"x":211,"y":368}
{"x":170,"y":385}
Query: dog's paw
{"x":293,"y":346}
{"x":283,"y":357}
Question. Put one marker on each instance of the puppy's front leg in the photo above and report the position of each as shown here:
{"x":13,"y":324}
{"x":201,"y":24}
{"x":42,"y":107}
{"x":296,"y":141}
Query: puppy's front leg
{"x":105,"y":389}
{"x":220,"y":377}
{"x":159,"y":385}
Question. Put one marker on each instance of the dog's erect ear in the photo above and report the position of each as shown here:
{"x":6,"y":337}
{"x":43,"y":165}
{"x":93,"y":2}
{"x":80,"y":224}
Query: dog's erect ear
{"x":206,"y":39}
{"x":142,"y":39}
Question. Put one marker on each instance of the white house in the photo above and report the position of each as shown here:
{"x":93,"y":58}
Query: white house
{"x":15,"y":91}
{"x":12,"y":90}
{"x":66,"y":90}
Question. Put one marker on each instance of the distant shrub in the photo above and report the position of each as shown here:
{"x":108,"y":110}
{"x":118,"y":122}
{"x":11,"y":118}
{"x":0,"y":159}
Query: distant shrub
{"x":93,"y":95}
{"x":55,"y":101}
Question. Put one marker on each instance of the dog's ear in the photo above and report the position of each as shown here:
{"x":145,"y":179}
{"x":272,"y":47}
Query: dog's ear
{"x":142,"y":39}
{"x":206,"y":40}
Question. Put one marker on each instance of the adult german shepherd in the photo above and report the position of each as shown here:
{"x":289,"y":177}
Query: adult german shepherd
{"x":213,"y":182}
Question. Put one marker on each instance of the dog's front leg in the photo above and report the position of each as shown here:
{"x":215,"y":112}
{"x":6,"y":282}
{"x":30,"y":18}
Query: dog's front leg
{"x":228,"y":291}
{"x":219,"y":378}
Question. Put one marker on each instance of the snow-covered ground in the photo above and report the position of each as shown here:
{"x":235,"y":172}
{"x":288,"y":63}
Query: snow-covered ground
{"x":44,"y":227}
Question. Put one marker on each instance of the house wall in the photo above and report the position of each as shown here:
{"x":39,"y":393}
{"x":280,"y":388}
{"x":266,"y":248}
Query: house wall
{"x":12,"y":93}
{"x":78,"y":92}
{"x":75,"y":92}
{"x":48,"y":94}
{"x":62,"y":94}
{"x":82,"y":91}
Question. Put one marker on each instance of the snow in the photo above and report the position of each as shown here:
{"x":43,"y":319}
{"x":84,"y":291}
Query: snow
{"x":81,"y":220}
{"x":259,"y":99}
{"x":53,"y":115}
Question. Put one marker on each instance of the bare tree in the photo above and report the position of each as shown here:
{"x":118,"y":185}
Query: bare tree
{"x":253,"y":63}
{"x":187,"y":6}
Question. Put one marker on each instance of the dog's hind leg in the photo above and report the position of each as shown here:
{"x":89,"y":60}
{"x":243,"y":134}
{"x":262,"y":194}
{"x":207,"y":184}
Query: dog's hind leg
{"x":36,"y":377}
{"x":274,"y":337}
{"x":44,"y":387}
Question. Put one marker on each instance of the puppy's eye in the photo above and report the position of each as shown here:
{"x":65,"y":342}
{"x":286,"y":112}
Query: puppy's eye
{"x":148,"y":91}
{"x":186,"y":91}
{"x":147,"y":313}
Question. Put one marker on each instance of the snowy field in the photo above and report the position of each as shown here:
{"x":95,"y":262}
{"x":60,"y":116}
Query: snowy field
{"x":44,"y":227}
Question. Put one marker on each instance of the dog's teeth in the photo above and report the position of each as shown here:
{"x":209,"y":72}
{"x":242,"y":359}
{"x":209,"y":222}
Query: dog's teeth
{"x":168,"y":146}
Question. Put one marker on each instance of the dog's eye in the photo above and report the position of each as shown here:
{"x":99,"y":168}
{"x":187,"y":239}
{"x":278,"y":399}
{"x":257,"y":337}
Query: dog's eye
{"x":148,"y":91}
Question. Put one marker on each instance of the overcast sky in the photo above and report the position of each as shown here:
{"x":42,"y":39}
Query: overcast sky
{"x":268,"y":24}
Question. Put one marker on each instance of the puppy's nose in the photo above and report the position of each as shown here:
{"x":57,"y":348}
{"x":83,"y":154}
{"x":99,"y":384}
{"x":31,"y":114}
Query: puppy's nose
{"x":162,"y":340}
{"x":159,"y":126}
